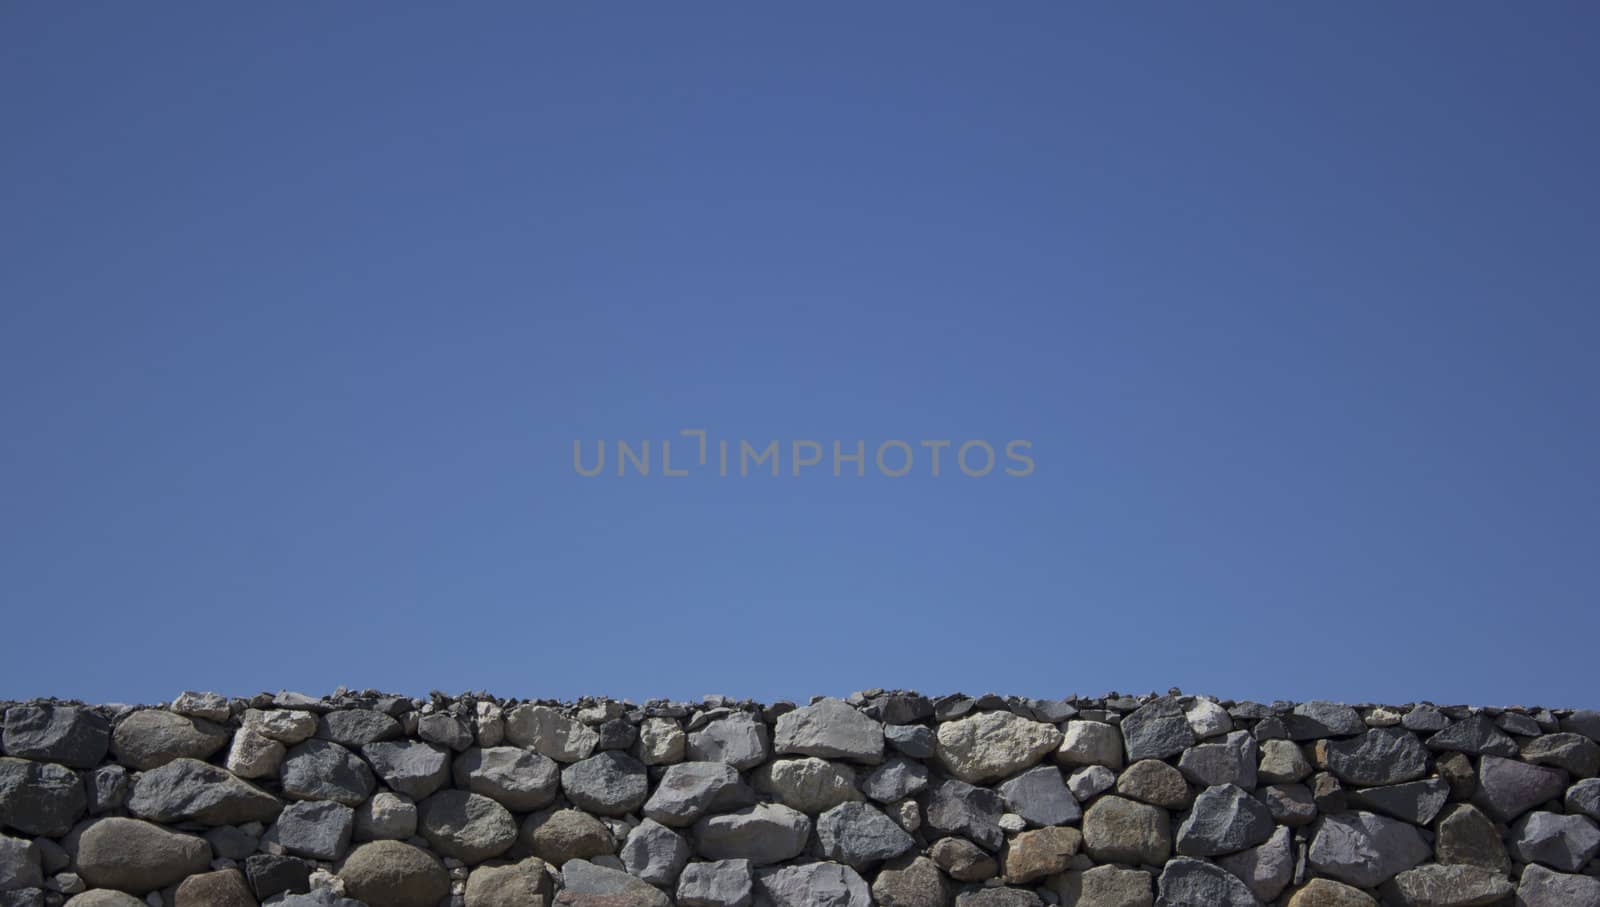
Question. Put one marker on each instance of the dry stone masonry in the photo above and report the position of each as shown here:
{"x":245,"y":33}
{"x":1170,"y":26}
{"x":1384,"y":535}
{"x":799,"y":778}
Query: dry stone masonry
{"x":886,"y":798}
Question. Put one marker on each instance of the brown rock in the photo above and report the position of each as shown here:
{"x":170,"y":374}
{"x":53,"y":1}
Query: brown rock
{"x":223,"y":888}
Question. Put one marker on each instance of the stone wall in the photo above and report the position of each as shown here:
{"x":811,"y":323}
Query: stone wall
{"x":887,"y":797}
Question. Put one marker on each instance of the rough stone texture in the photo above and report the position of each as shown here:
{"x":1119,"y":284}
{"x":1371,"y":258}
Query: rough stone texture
{"x":1439,"y":885}
{"x":1366,"y":850}
{"x":1541,"y":887}
{"x":765,"y":833}
{"x":188,"y":790}
{"x":223,"y":888}
{"x":1188,"y":883}
{"x":520,"y":884}
{"x":394,"y":874}
{"x":608,"y":784}
{"x":520,"y":780}
{"x":884,"y":797}
{"x":40,"y":798}
{"x":1117,"y":830}
{"x":152,"y":737}
{"x":580,"y":877}
{"x":655,"y":853}
{"x":719,"y":883}
{"x":320,"y":829}
{"x":1105,"y":886}
{"x":831,"y":729}
{"x":687,"y":790}
{"x":812,"y":885}
{"x":859,"y":835}
{"x":466,"y":826}
{"x":409,"y":767}
{"x":912,"y":881}
{"x":1039,"y":795}
{"x":69,"y":735}
{"x":1157,"y":730}
{"x":566,"y":834}
{"x":993,"y":745}
{"x":136,"y":856}
{"x":957,"y":808}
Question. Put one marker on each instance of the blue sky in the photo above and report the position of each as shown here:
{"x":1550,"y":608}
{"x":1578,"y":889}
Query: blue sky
{"x":303,"y":307}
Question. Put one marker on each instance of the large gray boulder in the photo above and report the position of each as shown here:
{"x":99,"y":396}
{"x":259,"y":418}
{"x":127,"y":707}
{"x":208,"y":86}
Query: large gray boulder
{"x":69,"y":735}
{"x":720,"y":883}
{"x":1157,"y":730}
{"x":655,"y":853}
{"x":1313,"y":720}
{"x":1560,"y":842}
{"x":1191,"y":883}
{"x":466,"y":826}
{"x":188,"y":790}
{"x":40,"y":798}
{"x":136,"y":856}
{"x":520,"y":780}
{"x":580,"y":877}
{"x":1265,"y":869}
{"x":830,"y":729}
{"x":550,"y":733}
{"x":958,"y":808}
{"x":1039,"y":795}
{"x":355,"y":728}
{"x":688,"y":789}
{"x":409,"y":767}
{"x":19,"y":864}
{"x":763,"y":834}
{"x":319,"y":770}
{"x":1364,"y":849}
{"x":607,"y":784}
{"x":1417,"y":802}
{"x":912,"y":881}
{"x":739,"y":739}
{"x":1224,"y":819}
{"x":319,"y":829}
{"x":1467,"y":837}
{"x":151,"y":738}
{"x":1542,"y":888}
{"x":1441,"y":885}
{"x":1378,"y":757}
{"x":1229,"y":761}
{"x":1476,"y":735}
{"x":1507,"y":788}
{"x":814,"y":785}
{"x":861,"y":836}
{"x":812,"y":885}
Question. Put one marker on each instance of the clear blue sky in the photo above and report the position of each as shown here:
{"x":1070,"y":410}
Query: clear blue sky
{"x":303,"y":305}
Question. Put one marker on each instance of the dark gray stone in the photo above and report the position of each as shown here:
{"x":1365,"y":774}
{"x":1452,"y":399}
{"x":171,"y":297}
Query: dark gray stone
{"x":1560,"y":842}
{"x":1192,"y":883}
{"x":896,"y":779}
{"x":688,"y":790}
{"x":1365,"y":850}
{"x":355,"y":728}
{"x":860,"y":836}
{"x":68,"y":735}
{"x":40,"y":798}
{"x":188,"y":790}
{"x":1477,"y":735}
{"x":912,"y":740}
{"x":1224,"y":819}
{"x":319,"y":829}
{"x":1313,"y":720}
{"x":1417,"y":802}
{"x":1157,"y":730}
{"x":957,"y":808}
{"x":1381,"y":756}
{"x":320,"y":770}
{"x":409,"y":767}
{"x":1508,"y":788}
{"x":1040,"y":796}
{"x":606,"y":784}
